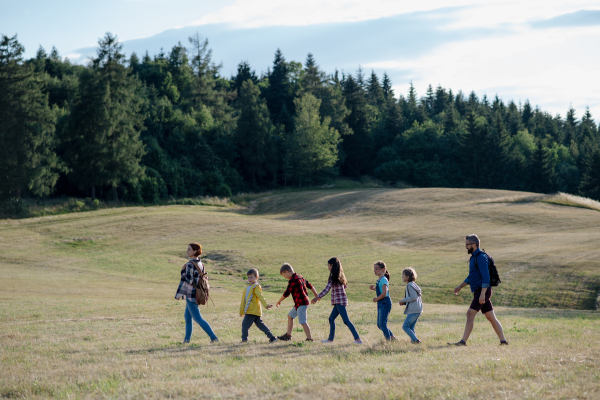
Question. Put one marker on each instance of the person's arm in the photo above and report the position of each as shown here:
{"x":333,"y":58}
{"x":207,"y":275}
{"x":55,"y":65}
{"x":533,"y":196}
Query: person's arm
{"x":325,"y":291}
{"x":382,"y":295}
{"x":260,"y":297}
{"x":280,"y":300}
{"x":243,"y":304}
{"x":410,"y":297}
{"x":462,"y":285}
{"x":188,"y":275}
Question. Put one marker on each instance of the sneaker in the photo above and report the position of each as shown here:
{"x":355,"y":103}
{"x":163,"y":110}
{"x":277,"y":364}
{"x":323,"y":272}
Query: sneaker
{"x":415,"y":341}
{"x":358,"y":341}
{"x":285,"y":337}
{"x":273,"y":339}
{"x":309,"y":340}
{"x":503,"y":343}
{"x":243,"y":341}
{"x":326,"y":341}
{"x":185,"y":342}
{"x":393,"y":338}
{"x":459,"y":343}
{"x":215,"y":340}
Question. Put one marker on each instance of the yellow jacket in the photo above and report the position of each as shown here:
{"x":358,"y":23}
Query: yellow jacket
{"x":255,"y":298}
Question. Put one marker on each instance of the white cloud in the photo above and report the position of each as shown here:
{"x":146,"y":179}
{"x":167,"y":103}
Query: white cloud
{"x":74,"y":56}
{"x":549,"y":67}
{"x":487,"y":13}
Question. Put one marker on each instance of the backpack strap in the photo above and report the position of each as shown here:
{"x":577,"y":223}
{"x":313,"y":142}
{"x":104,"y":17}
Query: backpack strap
{"x":249,"y":297}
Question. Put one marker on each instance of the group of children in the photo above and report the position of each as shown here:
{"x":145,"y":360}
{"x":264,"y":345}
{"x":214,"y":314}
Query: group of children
{"x":252,"y":299}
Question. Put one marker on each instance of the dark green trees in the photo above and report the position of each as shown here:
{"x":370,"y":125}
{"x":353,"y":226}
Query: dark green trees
{"x":28,"y":161}
{"x":104,"y":129}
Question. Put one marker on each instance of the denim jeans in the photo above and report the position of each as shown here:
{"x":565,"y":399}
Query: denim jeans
{"x":383,"y":311}
{"x":192,"y":311}
{"x":409,"y":326}
{"x":340,"y":310}
{"x":250,"y":319}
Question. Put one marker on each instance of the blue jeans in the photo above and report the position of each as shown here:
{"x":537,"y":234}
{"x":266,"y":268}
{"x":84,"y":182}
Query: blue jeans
{"x":383,"y":311}
{"x":409,"y":326}
{"x":340,"y":310}
{"x":192,"y":311}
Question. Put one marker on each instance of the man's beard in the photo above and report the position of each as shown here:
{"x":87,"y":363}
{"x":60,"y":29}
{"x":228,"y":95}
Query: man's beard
{"x":470,"y":250}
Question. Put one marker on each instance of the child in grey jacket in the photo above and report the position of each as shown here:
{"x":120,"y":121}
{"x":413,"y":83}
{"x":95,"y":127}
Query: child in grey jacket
{"x":414,"y":305}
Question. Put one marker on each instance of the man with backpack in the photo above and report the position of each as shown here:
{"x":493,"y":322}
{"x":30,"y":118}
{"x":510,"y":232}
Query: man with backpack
{"x":482,"y":276}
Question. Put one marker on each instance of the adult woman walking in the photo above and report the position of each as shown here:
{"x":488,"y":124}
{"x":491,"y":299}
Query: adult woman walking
{"x":189,"y":279}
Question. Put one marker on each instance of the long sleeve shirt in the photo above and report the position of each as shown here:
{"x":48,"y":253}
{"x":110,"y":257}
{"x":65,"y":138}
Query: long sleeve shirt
{"x":252,"y":298}
{"x":338,"y":294}
{"x":479,"y":274}
{"x":297,"y":288}
{"x":189,"y":278}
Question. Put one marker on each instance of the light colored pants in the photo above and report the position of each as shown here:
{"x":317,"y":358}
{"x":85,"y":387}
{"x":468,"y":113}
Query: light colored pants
{"x":409,"y":326}
{"x":192,"y":312}
{"x":300,"y":313}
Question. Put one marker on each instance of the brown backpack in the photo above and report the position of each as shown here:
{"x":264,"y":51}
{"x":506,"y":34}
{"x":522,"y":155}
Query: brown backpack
{"x":203,"y":287}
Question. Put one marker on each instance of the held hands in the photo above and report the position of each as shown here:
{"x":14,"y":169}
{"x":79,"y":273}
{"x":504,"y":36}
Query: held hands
{"x":372,"y":287}
{"x":314,"y":301}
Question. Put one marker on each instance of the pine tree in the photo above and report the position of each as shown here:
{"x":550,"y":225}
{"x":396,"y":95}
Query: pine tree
{"x":374,"y":91}
{"x":312,"y":146}
{"x":244,"y":72}
{"x":28,"y":161}
{"x":253,"y":133}
{"x":279,"y":94}
{"x":358,"y":146}
{"x":541,"y":169}
{"x":590,"y":182}
{"x":104,"y":129}
{"x":439,"y":103}
{"x":386,"y":85}
{"x":313,"y":78}
{"x":429,"y":100}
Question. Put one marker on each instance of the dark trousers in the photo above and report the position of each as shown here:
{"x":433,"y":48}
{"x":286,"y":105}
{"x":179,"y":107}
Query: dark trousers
{"x":341,"y":311}
{"x":250,"y":319}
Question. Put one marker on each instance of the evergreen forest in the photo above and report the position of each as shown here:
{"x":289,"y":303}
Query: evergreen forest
{"x":146,"y":128}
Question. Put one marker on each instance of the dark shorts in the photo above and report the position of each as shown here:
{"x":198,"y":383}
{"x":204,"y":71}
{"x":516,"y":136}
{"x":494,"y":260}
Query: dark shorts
{"x":485,"y":307}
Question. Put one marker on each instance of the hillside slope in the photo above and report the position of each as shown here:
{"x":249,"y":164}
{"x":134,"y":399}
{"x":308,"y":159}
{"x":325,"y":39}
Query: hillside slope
{"x":547,"y":254}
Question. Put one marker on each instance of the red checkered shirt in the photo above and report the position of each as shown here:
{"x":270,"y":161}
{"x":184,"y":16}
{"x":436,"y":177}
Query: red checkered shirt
{"x":338,"y":294}
{"x":297,"y":288}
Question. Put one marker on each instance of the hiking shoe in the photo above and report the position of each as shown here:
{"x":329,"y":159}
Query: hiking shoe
{"x":308,"y":340}
{"x":460,"y":343}
{"x":284,"y":337}
{"x":326,"y":341}
{"x":358,"y":341}
{"x":273,"y":339}
{"x":215,"y":340}
{"x":503,"y":343}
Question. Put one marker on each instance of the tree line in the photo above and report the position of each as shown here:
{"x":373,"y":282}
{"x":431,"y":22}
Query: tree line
{"x":171,"y":125}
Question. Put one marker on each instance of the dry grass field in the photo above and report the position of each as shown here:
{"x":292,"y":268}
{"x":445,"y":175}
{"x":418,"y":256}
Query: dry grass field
{"x":87,"y":308}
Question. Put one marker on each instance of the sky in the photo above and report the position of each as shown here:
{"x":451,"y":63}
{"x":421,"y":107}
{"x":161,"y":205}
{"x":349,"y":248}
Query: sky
{"x":542,"y":51}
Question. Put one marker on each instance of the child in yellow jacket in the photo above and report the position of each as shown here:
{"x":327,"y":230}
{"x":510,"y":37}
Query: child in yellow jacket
{"x":250,"y":307}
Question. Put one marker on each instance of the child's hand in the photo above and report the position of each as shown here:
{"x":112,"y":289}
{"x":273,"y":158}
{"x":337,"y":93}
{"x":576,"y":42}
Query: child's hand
{"x":269,"y":306}
{"x":374,"y":299}
{"x":241,"y":315}
{"x":314,"y":301}
{"x":372,"y":287}
{"x":401,"y":303}
{"x":277,"y":304}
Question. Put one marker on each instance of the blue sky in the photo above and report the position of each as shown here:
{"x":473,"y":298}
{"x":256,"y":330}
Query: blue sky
{"x":544,"y":51}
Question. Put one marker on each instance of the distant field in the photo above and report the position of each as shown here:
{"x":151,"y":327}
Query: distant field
{"x":87,"y":311}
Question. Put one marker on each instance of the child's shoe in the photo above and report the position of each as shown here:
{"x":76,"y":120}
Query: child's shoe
{"x":185,"y":342}
{"x":215,"y":340}
{"x":273,"y":339}
{"x":358,"y":341}
{"x":326,"y":341}
{"x":243,"y":342}
{"x":415,"y":341}
{"x":309,"y":340}
{"x":503,"y":343}
{"x":285,"y":337}
{"x":460,"y":343}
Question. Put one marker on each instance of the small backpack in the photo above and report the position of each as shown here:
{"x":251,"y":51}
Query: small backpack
{"x":494,"y":276}
{"x":202,"y":289}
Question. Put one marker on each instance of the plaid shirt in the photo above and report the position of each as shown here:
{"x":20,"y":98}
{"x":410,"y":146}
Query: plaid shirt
{"x":338,"y":294}
{"x":297,"y":288}
{"x":189,"y":274}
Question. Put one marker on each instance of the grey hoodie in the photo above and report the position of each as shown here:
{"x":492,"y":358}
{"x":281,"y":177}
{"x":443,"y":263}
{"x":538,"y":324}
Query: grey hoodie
{"x":412,"y":298}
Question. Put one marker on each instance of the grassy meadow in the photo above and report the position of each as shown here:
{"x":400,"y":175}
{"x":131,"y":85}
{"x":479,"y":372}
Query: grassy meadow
{"x":87,"y":306}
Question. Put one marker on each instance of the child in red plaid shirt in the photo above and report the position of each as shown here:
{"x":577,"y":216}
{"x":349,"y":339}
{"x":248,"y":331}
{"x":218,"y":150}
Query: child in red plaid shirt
{"x":297,"y":288}
{"x":337,"y":284}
